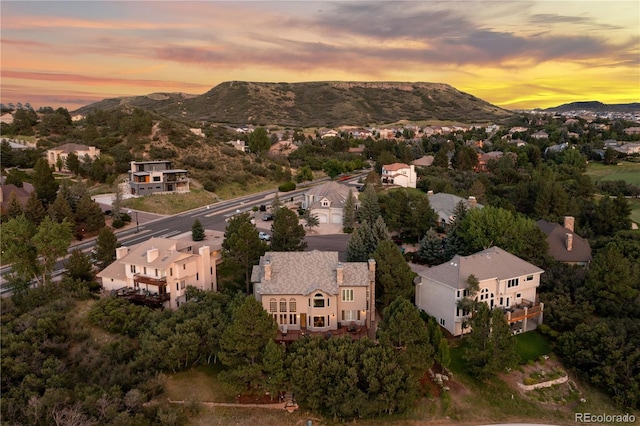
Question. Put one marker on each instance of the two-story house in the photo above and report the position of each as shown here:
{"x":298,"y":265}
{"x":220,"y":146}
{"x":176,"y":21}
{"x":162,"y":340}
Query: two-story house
{"x":445,"y":205}
{"x":157,"y":272}
{"x":153,"y":177}
{"x":506,"y":282}
{"x":399,"y":174}
{"x":313,"y":291}
{"x":57,"y":157}
{"x":326,"y":201}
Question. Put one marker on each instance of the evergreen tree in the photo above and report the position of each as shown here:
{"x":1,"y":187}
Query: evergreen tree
{"x":51,"y":241}
{"x":430,"y":251}
{"x":79,"y":266}
{"x":73,"y":163}
{"x":44,"y":183}
{"x":273,"y":368}
{"x":60,"y":210}
{"x":369,"y":207}
{"x":379,"y":231}
{"x":441,"y":159}
{"x":287,"y":232}
{"x":349,"y":213}
{"x":394,"y":277}
{"x":14,"y":207}
{"x":197,"y":232}
{"x":104,"y":252}
{"x":17,"y":249}
{"x":356,"y":250}
{"x":259,"y":141}
{"x":276,"y":203}
{"x":116,"y":205}
{"x":242,"y":249}
{"x":95,"y":220}
{"x":34,"y":210}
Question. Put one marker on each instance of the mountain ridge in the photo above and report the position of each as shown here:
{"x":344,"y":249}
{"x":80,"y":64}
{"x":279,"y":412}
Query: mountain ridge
{"x":595,"y":106}
{"x":315,"y":104}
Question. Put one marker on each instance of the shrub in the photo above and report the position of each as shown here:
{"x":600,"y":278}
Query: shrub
{"x":117,"y":223}
{"x":287,"y":186}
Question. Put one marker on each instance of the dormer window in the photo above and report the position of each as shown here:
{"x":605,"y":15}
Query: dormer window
{"x":325,"y":203}
{"x":318,"y":301}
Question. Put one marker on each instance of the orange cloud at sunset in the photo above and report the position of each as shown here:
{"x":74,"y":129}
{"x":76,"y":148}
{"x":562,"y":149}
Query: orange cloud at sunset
{"x":514,"y":54}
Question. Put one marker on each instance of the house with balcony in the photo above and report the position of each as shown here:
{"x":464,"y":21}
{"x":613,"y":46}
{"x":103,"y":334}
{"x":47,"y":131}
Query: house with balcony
{"x":57,"y":157}
{"x":157,"y":177}
{"x":326,"y":201}
{"x":157,"y":272}
{"x":564,"y":244}
{"x":314,"y":292}
{"x":399,"y":174}
{"x":506,"y":282}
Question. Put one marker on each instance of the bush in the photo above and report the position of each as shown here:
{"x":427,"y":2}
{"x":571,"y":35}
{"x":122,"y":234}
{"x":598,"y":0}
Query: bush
{"x":287,"y":186}
{"x":117,"y":223}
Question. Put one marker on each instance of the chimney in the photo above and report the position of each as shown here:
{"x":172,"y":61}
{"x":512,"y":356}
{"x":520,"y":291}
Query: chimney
{"x":372,"y":265}
{"x":152,"y":254}
{"x":121,"y":252}
{"x":472,"y":201}
{"x":267,"y":270}
{"x":339,"y":274}
{"x":569,"y":241}
{"x":569,"y":222}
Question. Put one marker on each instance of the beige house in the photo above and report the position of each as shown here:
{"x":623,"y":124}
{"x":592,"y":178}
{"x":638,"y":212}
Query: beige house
{"x":399,"y":174}
{"x":313,"y":291}
{"x":506,"y":282}
{"x":157,"y":272}
{"x":58,"y":156}
{"x":326,"y":201}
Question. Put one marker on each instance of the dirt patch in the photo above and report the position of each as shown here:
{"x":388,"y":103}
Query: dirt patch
{"x":257,"y":399}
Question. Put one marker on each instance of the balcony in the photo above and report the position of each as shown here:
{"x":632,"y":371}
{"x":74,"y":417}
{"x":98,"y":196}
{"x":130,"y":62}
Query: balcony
{"x":525,"y":310}
{"x":142,"y":297}
{"x":290,"y":336}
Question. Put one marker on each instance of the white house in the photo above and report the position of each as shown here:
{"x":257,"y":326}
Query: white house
{"x":314,"y":291}
{"x":157,"y":272}
{"x":506,"y":282}
{"x":399,"y":174}
{"x":326,"y":201}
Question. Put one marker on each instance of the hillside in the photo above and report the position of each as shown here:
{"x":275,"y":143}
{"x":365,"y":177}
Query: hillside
{"x":595,"y":106}
{"x":318,"y":104}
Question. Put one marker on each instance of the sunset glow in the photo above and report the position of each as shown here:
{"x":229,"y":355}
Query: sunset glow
{"x":523,"y":54}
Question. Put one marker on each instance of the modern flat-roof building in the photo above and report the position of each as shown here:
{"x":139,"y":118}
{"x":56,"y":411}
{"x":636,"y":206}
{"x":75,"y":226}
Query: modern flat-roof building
{"x":153,"y":177}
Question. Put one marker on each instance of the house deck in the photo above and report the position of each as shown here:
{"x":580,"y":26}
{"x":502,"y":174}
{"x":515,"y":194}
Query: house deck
{"x":293,"y":335}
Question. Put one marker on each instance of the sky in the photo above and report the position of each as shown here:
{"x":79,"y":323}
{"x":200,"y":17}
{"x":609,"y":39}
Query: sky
{"x":514,"y":54}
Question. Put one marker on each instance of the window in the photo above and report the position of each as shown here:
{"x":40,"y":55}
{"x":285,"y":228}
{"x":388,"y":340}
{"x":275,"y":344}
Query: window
{"x":325,"y":203}
{"x":156,"y":178}
{"x":347,"y":295}
{"x":144,"y":270}
{"x":133,"y":268}
{"x":318,"y":301}
{"x":197,"y":276}
{"x":318,"y":322}
{"x":518,"y":295}
{"x":170,"y":272}
{"x":177,"y":286}
{"x":442,"y":322}
{"x":292,"y":305}
{"x":283,"y":319}
{"x":283,"y":305}
{"x":273,"y":306}
{"x":184,"y":266}
{"x":529,"y":277}
{"x":293,"y":319}
{"x":513,"y":282}
{"x":350,"y":315}
{"x":182,"y":284}
{"x":211,"y":270}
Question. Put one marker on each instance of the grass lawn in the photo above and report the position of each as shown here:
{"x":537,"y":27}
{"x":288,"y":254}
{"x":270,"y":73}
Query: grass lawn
{"x":198,"y":384}
{"x":531,"y":346}
{"x":635,"y":209}
{"x":626,"y":171}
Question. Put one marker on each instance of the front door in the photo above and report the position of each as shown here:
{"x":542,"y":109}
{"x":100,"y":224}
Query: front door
{"x":303,"y":321}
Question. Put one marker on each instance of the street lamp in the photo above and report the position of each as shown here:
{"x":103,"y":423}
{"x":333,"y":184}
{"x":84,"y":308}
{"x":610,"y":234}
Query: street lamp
{"x":137,"y":224}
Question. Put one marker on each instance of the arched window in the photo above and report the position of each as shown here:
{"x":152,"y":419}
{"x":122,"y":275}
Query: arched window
{"x":283,"y":305}
{"x":486,"y":296}
{"x":318,"y":301}
{"x":273,"y":306}
{"x":292,"y":305}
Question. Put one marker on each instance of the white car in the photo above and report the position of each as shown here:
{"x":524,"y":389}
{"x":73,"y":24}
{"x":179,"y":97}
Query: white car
{"x":264,"y":236}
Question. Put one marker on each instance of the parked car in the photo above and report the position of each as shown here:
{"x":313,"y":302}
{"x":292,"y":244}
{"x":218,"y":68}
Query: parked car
{"x":361,"y":188}
{"x":267,"y":217}
{"x":264,"y":236}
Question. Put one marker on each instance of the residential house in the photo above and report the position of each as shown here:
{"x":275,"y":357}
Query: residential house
{"x":564,"y":244}
{"x":238,"y":144}
{"x":329,"y":134}
{"x":57,"y":157}
{"x":399,"y":174}
{"x":505,"y":281}
{"x":356,"y":149}
{"x":22,"y":194}
{"x":326,"y":201}
{"x":283,"y":148}
{"x":518,"y":130}
{"x":197,"y":131}
{"x":540,"y":135}
{"x":6,"y":118}
{"x":313,"y":291}
{"x":484,"y":158}
{"x":556,"y":148}
{"x":154,"y":177}
{"x":424,"y":161}
{"x":157,"y":272}
{"x":445,"y":204}
{"x":628,"y":148}
{"x":632,"y":131}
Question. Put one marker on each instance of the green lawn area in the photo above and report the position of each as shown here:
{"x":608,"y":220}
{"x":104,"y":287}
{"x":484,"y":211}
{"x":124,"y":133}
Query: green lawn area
{"x":626,"y":171}
{"x":531,"y":346}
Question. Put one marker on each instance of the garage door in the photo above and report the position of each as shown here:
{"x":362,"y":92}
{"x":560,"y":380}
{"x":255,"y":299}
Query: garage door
{"x":322,"y":218}
{"x":336,"y":218}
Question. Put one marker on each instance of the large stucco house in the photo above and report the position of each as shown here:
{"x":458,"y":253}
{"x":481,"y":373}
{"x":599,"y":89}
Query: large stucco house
{"x":506,"y":282}
{"x":326,"y":201}
{"x":153,"y":177}
{"x":313,"y":291}
{"x":57,"y":157}
{"x":158,"y":271}
{"x":399,"y":174}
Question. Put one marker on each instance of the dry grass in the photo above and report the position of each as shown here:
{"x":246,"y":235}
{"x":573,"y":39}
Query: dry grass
{"x":197,"y":384}
{"x":171,"y":203}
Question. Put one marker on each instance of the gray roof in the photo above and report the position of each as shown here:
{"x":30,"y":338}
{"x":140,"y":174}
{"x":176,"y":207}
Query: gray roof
{"x":444,"y":205}
{"x":70,"y":147}
{"x":335,"y":192}
{"x":492,"y":263}
{"x":306,"y":272}
{"x":557,"y":238}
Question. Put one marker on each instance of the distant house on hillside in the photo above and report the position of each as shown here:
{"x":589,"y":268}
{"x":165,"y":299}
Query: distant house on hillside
{"x":564,"y":244}
{"x":57,"y":157}
{"x":505,"y":282}
{"x":238,"y":144}
{"x":540,"y":135}
{"x":157,"y":272}
{"x":399,"y":174}
{"x":424,"y":161}
{"x":154,"y":177}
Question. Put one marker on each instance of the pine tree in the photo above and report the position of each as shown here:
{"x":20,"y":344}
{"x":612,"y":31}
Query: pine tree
{"x":14,"y":207}
{"x":34,"y":210}
{"x":60,"y":210}
{"x":44,"y":182}
{"x":95,"y":220}
{"x":104,"y":252}
{"x":369,"y":206}
{"x":394,"y":277}
{"x":349,"y":213}
{"x":79,"y":266}
{"x":356,"y":250}
{"x":197,"y":232}
{"x":287,"y":232}
{"x":380,"y":231}
{"x":430,"y":251}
